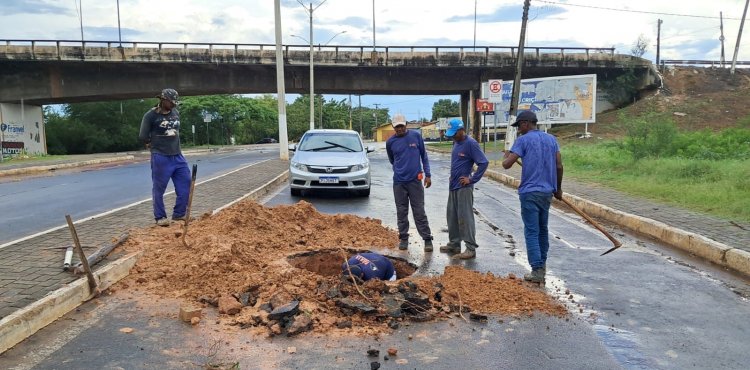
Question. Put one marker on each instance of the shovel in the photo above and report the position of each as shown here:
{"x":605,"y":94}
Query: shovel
{"x":189,"y":205}
{"x":591,"y":221}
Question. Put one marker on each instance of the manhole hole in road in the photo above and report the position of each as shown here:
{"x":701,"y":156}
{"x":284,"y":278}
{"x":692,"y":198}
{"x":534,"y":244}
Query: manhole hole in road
{"x":328,"y":262}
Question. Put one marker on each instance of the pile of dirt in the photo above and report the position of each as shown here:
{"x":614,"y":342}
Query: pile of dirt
{"x":278,"y":270}
{"x":695,"y":97}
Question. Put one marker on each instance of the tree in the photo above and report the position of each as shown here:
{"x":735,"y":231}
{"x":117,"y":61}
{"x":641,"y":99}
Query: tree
{"x":445,"y":108}
{"x":640,"y":46}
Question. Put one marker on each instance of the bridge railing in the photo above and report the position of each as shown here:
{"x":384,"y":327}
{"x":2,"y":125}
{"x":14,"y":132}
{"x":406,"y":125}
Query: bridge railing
{"x":713,"y":63}
{"x":131,"y":51}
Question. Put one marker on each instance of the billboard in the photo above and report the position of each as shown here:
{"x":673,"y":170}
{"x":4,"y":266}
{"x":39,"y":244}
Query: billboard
{"x":562,"y":99}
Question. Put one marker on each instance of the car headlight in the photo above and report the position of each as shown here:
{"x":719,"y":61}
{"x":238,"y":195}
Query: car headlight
{"x":361,"y":166}
{"x":299,"y":166}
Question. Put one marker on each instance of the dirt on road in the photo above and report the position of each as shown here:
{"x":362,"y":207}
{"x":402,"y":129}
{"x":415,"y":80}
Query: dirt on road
{"x":277,"y":271}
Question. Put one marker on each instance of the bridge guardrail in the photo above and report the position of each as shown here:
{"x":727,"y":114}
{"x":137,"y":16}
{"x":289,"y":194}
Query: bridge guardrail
{"x":141,"y":51}
{"x":702,"y":62}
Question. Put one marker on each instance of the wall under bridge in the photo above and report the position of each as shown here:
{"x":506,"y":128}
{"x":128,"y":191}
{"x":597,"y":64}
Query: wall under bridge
{"x":22,"y":129}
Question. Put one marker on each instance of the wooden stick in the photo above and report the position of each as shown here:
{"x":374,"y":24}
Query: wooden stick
{"x":354,"y":279}
{"x":189,"y":205}
{"x":81,"y":255}
{"x":99,"y":255}
{"x":593,"y":223}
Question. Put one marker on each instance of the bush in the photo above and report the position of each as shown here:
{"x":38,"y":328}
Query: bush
{"x":650,"y":135}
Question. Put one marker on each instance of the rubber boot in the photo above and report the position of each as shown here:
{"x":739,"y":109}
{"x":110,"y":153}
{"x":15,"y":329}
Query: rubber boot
{"x":466,"y":255}
{"x":535,"y":276}
{"x":403,"y":244}
{"x":428,"y":245}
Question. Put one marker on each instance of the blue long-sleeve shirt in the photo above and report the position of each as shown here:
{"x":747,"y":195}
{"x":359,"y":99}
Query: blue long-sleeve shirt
{"x":373,"y":265}
{"x":465,"y":154}
{"x":408,"y":156}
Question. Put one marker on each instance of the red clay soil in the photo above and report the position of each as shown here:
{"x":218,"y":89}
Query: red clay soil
{"x":695,"y":98}
{"x":246,"y":249}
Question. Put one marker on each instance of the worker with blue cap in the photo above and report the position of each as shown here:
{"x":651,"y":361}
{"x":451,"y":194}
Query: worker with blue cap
{"x":460,"y":213}
{"x":368,"y":266}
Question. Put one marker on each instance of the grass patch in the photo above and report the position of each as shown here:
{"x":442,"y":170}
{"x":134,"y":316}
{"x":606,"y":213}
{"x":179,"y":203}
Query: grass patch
{"x":716,"y":187}
{"x":30,"y":159}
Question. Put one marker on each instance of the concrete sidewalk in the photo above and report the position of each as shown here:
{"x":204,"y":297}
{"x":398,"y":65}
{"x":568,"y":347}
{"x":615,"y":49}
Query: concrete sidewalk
{"x":29,"y":269}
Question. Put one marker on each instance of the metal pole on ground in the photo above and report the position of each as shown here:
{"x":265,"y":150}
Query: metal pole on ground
{"x":81,"y":256}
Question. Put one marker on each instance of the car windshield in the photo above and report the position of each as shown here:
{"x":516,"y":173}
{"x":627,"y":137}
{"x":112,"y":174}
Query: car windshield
{"x":330,"y":142}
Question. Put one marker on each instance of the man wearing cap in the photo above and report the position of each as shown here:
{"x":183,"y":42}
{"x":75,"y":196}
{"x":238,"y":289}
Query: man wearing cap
{"x":541,"y":178}
{"x":407,"y":154}
{"x":460,"y":213}
{"x":368,"y":266}
{"x":160,"y":131}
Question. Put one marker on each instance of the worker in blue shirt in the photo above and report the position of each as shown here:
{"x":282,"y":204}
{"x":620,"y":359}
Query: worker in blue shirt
{"x":367,"y":266}
{"x":460,"y":213}
{"x":407,"y":154}
{"x":541,"y":178}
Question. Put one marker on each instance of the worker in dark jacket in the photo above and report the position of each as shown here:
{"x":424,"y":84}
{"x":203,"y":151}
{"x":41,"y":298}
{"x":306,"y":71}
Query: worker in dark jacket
{"x":160,"y":131}
{"x":367,"y":266}
{"x":407,"y":154}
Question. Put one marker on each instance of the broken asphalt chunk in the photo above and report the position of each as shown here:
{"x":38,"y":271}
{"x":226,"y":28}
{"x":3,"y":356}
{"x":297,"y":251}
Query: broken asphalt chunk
{"x":289,"y":309}
{"x":354,"y":305}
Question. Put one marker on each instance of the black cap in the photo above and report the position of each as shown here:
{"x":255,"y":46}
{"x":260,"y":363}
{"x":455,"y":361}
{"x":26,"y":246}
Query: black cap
{"x":526,"y":115}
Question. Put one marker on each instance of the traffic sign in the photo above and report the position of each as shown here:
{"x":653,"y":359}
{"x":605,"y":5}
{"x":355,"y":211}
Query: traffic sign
{"x":484,"y":106}
{"x":496,"y":91}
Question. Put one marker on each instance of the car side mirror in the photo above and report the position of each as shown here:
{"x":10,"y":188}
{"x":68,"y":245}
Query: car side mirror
{"x":369,"y":149}
{"x":293,"y":147}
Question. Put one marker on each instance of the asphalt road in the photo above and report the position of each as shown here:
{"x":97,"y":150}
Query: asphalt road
{"x":641,"y":307}
{"x":33,"y":204}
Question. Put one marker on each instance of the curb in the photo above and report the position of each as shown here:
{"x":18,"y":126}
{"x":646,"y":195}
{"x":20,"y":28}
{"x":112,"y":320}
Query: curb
{"x":25,"y":322}
{"x":718,"y":253}
{"x":52,"y":167}
{"x":28,"y":320}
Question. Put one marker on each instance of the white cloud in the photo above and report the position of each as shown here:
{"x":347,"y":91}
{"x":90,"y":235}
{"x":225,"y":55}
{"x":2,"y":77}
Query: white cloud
{"x":398,"y":22}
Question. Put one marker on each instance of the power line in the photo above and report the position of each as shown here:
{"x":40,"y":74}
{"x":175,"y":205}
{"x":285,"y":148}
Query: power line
{"x":633,"y":11}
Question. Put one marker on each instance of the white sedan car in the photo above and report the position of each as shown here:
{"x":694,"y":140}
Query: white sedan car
{"x":330,"y":160}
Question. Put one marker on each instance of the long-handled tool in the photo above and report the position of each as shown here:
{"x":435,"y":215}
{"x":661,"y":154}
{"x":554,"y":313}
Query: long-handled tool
{"x":189,"y":205}
{"x":591,"y":221}
{"x":82,"y":257}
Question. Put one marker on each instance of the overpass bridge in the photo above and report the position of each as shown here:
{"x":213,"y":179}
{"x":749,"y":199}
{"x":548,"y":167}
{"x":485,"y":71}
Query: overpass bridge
{"x":65,"y":71}
{"x":38,"y":72}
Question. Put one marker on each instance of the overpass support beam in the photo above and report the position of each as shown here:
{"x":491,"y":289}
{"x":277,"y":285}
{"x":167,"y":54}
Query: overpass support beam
{"x":464,"y":112}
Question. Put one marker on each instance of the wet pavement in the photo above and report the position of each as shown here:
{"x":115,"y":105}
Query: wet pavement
{"x":643,"y":306}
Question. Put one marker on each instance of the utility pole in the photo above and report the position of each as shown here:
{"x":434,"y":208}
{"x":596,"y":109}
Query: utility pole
{"x":721,"y":38}
{"x":360,"y":115}
{"x":658,"y":41}
{"x":739,"y":36}
{"x":119,"y":30}
{"x":350,"y":111}
{"x":510,"y":136}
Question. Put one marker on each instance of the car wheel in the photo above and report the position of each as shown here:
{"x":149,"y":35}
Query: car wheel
{"x":364,"y":193}
{"x":296,"y":192}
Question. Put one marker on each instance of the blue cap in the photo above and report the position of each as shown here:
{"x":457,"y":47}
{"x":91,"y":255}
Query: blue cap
{"x":453,"y":126}
{"x":526,"y":115}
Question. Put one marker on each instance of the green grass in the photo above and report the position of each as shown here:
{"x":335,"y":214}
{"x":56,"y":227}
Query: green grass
{"x":716,"y":187}
{"x":27,"y":159}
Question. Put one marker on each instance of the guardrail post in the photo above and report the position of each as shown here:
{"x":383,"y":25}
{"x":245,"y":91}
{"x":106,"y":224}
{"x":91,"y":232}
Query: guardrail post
{"x":33,"y":50}
{"x":211,"y":53}
{"x":234,"y":56}
{"x":57,"y":50}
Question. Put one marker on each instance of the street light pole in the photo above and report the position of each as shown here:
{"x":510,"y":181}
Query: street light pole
{"x":373,"y":25}
{"x":312,"y":77}
{"x":119,"y":30}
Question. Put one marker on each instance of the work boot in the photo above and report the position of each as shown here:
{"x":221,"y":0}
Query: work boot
{"x":535,"y":276}
{"x":163,"y":222}
{"x":428,"y":245}
{"x":178,"y":218}
{"x":449,"y":249}
{"x":403,"y":244}
{"x":466,"y":255}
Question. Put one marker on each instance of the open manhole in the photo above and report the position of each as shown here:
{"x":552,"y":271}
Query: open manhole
{"x":328,"y":262}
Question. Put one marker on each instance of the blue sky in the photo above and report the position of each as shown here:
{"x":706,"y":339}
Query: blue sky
{"x":690,"y":29}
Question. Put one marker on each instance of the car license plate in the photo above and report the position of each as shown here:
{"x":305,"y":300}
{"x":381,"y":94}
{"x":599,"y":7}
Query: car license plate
{"x":328,"y":180}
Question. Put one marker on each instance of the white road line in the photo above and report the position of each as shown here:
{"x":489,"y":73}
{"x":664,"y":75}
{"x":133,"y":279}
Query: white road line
{"x":121,"y":208}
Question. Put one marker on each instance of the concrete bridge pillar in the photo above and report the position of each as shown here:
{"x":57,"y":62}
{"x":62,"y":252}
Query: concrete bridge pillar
{"x":22,"y":129}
